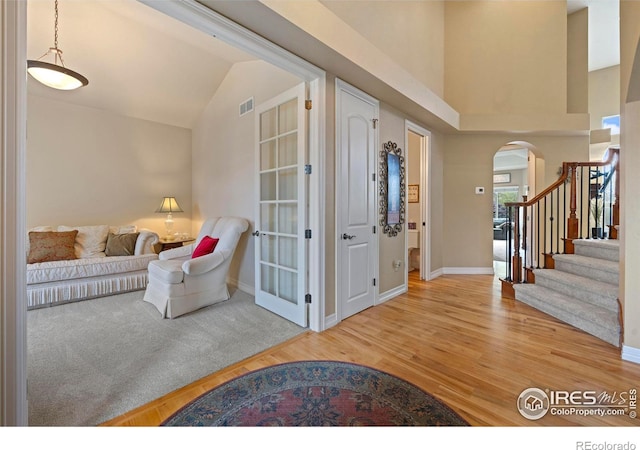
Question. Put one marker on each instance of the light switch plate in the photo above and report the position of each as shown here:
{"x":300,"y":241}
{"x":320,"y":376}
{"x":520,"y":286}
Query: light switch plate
{"x":479,"y":190}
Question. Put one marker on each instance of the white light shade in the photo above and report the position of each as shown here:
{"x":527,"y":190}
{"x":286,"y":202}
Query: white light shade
{"x":55,"y":76}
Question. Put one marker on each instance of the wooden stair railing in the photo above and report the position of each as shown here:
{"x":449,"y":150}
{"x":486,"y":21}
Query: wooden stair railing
{"x":549,"y":222}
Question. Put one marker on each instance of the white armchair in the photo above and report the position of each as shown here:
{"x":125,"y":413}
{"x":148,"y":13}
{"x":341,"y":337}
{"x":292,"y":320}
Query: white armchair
{"x":179,"y":284}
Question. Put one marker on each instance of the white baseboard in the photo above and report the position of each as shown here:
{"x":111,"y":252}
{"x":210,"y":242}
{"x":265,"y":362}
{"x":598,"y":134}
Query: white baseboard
{"x":467,"y":270}
{"x":436,"y":273}
{"x":242,"y":286}
{"x":330,"y":321}
{"x":631,"y":354}
{"x":391,"y":293}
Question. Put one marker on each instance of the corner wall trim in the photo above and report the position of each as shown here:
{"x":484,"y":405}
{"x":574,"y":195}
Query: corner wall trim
{"x":437,"y":273}
{"x":631,"y":354}
{"x":467,"y":270}
{"x":244,"y":287}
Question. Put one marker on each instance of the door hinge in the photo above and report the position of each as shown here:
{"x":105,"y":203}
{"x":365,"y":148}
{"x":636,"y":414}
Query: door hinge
{"x":374,"y":281}
{"x":307,"y":298}
{"x":307,"y":169}
{"x":375,"y":123}
{"x":373,"y":177}
{"x":374,"y":229}
{"x":307,"y":234}
{"x":308,"y":104}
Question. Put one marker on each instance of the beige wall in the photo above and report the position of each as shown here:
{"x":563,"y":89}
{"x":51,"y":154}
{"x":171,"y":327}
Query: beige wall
{"x":506,"y":57}
{"x":410,"y":32}
{"x":604,"y":94}
{"x":391,"y":248}
{"x":436,"y":199}
{"x":468,"y":163}
{"x":604,"y":100}
{"x":223,"y":169}
{"x":87,"y":166}
{"x":630,"y":182}
{"x":578,"y":61}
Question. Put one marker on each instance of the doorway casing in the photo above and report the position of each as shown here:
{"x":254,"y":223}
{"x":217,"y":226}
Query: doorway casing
{"x":424,"y":199}
{"x":13,"y":316}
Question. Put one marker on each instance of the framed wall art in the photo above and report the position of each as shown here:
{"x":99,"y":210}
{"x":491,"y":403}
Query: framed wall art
{"x":501,"y":178}
{"x":413,"y":193}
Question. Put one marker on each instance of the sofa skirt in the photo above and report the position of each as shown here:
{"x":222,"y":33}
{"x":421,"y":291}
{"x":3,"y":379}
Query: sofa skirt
{"x":55,"y":293}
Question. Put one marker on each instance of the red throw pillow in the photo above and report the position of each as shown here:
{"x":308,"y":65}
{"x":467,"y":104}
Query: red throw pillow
{"x":206,"y":246}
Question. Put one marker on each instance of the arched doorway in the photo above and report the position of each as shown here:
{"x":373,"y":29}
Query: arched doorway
{"x":517,"y":168}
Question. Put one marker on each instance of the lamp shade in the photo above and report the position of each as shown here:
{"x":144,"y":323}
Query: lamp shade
{"x":55,"y":76}
{"x":169,"y":205}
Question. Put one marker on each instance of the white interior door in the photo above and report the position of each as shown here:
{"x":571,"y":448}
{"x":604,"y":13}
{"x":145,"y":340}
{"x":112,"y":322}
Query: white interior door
{"x":280,"y":247}
{"x":356,"y":200}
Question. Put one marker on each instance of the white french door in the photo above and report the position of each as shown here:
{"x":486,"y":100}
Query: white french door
{"x":281,"y":212}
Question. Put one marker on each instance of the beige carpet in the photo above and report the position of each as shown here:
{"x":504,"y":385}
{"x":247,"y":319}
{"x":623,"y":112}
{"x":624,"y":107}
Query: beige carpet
{"x":97,"y":359}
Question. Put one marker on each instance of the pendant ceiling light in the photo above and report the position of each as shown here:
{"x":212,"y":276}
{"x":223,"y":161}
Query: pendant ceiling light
{"x":55,"y":75}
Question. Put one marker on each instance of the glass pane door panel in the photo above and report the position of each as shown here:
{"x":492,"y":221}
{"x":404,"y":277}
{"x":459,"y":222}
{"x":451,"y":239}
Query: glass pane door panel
{"x":288,"y":150}
{"x":288,"y":252}
{"x":288,"y":116}
{"x":268,"y":155}
{"x":288,"y":218}
{"x":268,"y":186}
{"x":288,"y":285}
{"x":268,"y":217}
{"x":268,"y":249}
{"x":268,"y":124}
{"x":288,"y":184}
{"x":268,"y":279}
{"x":280,"y":261}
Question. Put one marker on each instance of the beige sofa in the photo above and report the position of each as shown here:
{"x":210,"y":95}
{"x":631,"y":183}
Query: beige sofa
{"x":91,"y":270}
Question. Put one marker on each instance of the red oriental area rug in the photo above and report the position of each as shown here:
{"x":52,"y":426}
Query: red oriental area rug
{"x":316,"y":393}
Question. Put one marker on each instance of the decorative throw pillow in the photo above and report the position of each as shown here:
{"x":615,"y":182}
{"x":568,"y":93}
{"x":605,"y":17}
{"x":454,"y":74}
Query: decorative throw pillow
{"x":207,"y":245}
{"x":51,"y":246}
{"x":121,"y":244}
{"x":123,"y":229}
{"x":91,"y":240}
{"x":41,"y":228}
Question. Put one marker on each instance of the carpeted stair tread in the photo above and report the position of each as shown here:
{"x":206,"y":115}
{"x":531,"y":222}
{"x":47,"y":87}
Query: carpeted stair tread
{"x":597,"y":321}
{"x":593,"y":291}
{"x":594,"y":268}
{"x":608,"y":249}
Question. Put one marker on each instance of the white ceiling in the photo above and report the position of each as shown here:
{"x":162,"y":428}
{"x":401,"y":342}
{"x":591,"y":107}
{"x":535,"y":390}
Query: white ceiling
{"x":513,"y":159}
{"x":139,"y":62}
{"x":604,"y":31}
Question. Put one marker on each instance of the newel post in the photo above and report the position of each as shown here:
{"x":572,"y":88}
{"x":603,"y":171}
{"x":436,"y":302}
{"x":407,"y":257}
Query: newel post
{"x":572,"y":220}
{"x":516,"y":266}
{"x":613,"y":232}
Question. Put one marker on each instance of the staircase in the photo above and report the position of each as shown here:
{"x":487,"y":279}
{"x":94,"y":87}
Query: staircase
{"x":582,"y":289}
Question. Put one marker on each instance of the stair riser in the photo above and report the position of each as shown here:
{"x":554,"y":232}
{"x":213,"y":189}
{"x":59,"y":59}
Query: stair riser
{"x":598,"y":252}
{"x":588,"y":272}
{"x":612,"y":336}
{"x":597,"y":299}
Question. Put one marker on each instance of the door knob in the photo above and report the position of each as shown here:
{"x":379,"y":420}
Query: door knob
{"x":256,"y":233}
{"x":347,"y":236}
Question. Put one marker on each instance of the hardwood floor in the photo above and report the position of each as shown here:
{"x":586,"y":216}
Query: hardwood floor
{"x":458,"y":339}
